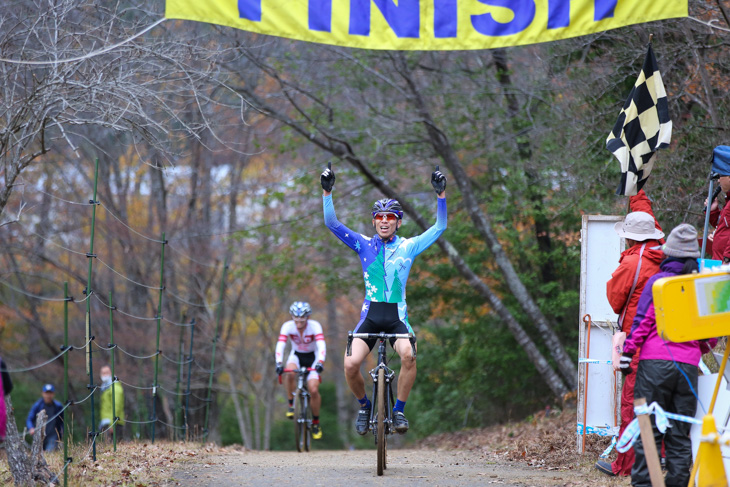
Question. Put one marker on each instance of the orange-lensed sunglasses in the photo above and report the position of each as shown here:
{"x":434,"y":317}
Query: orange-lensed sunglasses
{"x":391,"y":217}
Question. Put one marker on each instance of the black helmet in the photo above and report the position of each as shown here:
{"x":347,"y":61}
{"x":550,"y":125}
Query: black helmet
{"x":387,"y":205}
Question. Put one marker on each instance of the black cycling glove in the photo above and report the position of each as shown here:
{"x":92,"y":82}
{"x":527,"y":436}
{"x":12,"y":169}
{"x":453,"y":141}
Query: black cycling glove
{"x":279,"y":368}
{"x":327,"y":179}
{"x":438,"y":181}
{"x":319,"y":367}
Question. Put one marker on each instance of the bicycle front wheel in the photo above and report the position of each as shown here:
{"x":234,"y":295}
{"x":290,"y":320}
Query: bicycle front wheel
{"x":307,"y":423}
{"x":300,"y":427}
{"x":382,"y":442}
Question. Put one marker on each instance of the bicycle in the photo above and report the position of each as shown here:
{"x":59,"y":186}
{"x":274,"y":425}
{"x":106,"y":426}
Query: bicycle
{"x":381,"y":421}
{"x":302,"y":409}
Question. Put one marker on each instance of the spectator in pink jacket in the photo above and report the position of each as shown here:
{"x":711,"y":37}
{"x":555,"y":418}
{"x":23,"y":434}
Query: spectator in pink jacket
{"x":667,"y":371}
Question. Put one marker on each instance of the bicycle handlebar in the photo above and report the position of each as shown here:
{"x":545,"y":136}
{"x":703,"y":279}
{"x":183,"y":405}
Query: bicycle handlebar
{"x":380,"y":336}
{"x":295,"y":371}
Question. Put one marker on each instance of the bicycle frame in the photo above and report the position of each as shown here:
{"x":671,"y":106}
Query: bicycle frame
{"x":303,"y":421}
{"x":303,"y":393}
{"x":389,"y":373}
{"x":388,"y":377}
{"x":382,"y":376}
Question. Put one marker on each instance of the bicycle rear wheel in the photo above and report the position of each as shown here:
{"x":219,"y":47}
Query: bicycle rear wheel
{"x":299,"y":425}
{"x":382,"y":442}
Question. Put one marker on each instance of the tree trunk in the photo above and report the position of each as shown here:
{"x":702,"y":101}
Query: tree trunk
{"x":533,"y":192}
{"x":344,"y":397}
{"x":268,"y":413}
{"x":257,"y":422}
{"x":239,"y":413}
{"x":247,"y":419}
{"x":27,"y":467}
{"x":443,"y":147}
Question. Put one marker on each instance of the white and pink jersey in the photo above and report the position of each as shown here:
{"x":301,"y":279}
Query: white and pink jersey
{"x":309,"y":340}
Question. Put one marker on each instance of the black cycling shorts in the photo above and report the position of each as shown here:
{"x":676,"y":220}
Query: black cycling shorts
{"x":381,"y":317}
{"x":306,"y":359}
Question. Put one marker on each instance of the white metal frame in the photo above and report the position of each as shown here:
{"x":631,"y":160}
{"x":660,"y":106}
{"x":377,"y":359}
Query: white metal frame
{"x":601,"y":249}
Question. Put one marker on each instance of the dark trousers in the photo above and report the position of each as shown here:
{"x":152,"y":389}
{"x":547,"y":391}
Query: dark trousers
{"x":660,"y":381}
{"x":51,"y":442}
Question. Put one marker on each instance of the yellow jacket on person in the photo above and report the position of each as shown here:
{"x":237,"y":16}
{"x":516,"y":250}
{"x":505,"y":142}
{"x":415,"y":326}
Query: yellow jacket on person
{"x":106,"y":403}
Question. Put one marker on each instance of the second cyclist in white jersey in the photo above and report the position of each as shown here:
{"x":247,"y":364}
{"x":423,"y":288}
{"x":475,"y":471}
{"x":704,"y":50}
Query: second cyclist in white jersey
{"x":308,"y":350}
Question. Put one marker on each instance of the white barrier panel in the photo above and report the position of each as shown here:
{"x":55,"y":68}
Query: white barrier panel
{"x":598,"y":390}
{"x":705,"y":386}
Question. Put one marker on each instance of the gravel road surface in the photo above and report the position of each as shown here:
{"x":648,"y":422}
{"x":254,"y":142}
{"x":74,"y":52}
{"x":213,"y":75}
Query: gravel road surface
{"x":357,"y":468}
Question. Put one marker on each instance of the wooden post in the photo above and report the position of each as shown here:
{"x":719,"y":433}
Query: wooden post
{"x":650,"y":452}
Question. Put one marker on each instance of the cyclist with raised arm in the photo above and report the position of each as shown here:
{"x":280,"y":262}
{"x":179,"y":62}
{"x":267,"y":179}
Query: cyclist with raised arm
{"x":307,"y":340}
{"x":386,"y":260}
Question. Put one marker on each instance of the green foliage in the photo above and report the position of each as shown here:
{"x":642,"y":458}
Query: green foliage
{"x":227,"y":424}
{"x":471,"y":375}
{"x":282,"y":431}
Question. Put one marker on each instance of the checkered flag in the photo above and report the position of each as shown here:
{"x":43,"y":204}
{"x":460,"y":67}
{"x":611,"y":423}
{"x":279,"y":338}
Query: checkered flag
{"x":643,"y":126}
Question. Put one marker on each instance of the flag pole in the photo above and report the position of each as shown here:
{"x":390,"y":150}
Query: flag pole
{"x":707,"y":216}
{"x":628,"y":204}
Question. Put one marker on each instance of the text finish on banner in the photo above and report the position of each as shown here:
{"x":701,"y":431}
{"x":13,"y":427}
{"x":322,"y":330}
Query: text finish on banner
{"x":426,"y":24}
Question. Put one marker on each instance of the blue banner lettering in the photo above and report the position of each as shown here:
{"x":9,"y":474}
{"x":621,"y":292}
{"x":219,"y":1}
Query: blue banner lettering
{"x":404,"y":18}
{"x":524,"y":13}
{"x":320,"y":15}
{"x":250,"y":10}
{"x":604,"y":9}
{"x":444,"y":18}
{"x":558,"y":14}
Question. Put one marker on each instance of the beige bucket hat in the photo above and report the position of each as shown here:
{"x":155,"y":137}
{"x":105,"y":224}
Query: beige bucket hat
{"x":639,"y":226}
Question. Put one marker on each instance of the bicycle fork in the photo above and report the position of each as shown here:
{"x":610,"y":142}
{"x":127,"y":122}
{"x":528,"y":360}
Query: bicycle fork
{"x":389,"y":374}
{"x":304,"y":398}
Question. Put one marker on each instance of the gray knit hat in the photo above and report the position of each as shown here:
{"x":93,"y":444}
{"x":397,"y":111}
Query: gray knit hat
{"x":682,"y":242}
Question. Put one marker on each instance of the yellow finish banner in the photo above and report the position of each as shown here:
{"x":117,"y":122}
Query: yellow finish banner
{"x":426,"y":24}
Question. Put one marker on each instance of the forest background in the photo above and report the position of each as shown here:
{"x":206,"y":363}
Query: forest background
{"x":217,"y":137}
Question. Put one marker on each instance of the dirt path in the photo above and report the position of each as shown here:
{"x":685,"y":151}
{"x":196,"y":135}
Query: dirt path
{"x":405,"y":468}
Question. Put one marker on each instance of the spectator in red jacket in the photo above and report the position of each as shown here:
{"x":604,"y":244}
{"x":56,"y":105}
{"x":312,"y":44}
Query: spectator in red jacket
{"x":720,"y":219}
{"x":640,"y":261}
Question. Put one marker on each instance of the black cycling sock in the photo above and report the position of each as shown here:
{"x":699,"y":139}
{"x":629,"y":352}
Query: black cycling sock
{"x":315,"y":419}
{"x":291,"y":403}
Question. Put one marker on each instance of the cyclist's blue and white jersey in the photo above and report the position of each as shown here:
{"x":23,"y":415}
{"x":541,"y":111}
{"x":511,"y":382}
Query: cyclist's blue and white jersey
{"x":385,"y":266}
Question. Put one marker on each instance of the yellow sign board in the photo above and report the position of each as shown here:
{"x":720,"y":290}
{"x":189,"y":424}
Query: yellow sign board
{"x":426,"y":24}
{"x":692,"y":306}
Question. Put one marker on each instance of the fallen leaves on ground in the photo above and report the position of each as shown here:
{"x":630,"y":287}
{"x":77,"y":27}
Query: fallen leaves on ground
{"x":547,"y":440}
{"x":134,"y":463}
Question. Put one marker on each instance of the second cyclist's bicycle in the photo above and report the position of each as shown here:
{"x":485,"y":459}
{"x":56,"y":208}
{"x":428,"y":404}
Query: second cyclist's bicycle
{"x":302,"y":409}
{"x":381,"y":416}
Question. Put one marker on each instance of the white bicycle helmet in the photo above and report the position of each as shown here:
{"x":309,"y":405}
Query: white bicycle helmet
{"x":300,"y":309}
